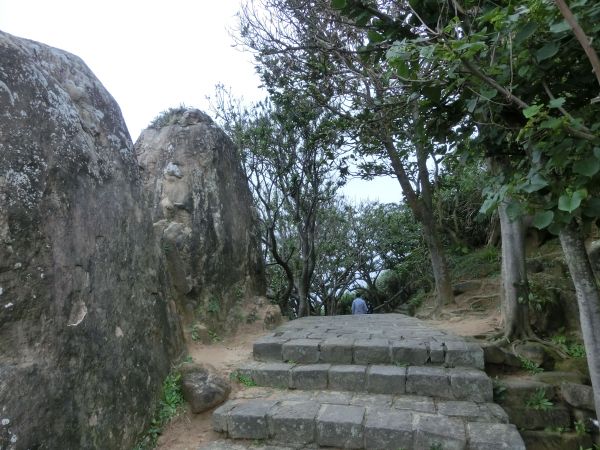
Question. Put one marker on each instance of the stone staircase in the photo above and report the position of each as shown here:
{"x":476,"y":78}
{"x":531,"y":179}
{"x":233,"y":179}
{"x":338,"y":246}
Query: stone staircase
{"x":366,"y":382}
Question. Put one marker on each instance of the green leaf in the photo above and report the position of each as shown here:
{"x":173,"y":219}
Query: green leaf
{"x":434,"y":93}
{"x":559,"y":27}
{"x":597,"y":152}
{"x":489,"y":204}
{"x":542,"y":219}
{"x":547,"y":51}
{"x":488,"y":93}
{"x":588,"y":167}
{"x":551,"y":123}
{"x":375,"y":37}
{"x":557,"y":102}
{"x":570,"y":203}
{"x":535,"y":183}
{"x":525,"y":32}
{"x":471,"y":105}
{"x":592,"y":207}
{"x":531,"y":111}
{"x":338,"y":4}
{"x":402,"y":68}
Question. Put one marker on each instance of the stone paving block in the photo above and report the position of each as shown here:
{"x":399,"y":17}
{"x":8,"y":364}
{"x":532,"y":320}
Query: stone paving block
{"x":386,"y":379}
{"x":410,"y":352}
{"x":336,"y":351}
{"x":267,"y":348}
{"x":348,"y":378}
{"x":463,"y":354}
{"x":437,"y":352}
{"x":435,"y":431}
{"x":293,"y":422}
{"x":220,"y":415}
{"x":493,"y":436}
{"x":372,"y":400}
{"x":301,"y":351}
{"x":333,"y":397}
{"x":388,"y":429}
{"x":249,"y":420}
{"x":272,"y":374}
{"x":371,"y":351}
{"x":453,"y":408}
{"x":471,"y":384}
{"x":415,"y":403}
{"x":312,"y":376}
{"x":340,"y":426}
{"x":429,"y":381}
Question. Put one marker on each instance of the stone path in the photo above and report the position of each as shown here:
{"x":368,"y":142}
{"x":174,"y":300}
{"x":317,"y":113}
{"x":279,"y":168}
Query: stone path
{"x":375,"y":382}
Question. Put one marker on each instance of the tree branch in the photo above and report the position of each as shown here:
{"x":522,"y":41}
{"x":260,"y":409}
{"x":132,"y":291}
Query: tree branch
{"x":582,"y":38}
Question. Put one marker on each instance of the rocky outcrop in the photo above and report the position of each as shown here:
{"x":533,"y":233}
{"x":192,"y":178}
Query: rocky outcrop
{"x":202,"y":213}
{"x":86,"y":336}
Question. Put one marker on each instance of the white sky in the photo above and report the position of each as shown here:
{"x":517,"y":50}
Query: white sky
{"x":152,"y":55}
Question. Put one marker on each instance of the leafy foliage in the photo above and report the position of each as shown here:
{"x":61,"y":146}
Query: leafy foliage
{"x":168,"y":117}
{"x":169,"y":407}
{"x":530,"y":366}
{"x":539,"y":401}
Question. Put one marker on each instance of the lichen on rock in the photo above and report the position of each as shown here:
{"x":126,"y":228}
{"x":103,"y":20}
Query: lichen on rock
{"x":77,"y":262}
{"x":202,"y":212}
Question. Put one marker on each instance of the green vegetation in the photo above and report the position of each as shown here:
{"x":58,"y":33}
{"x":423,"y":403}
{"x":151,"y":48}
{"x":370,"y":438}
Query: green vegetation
{"x":580,"y":427}
{"x":530,"y":366}
{"x":454,"y":101}
{"x":539,"y":401}
{"x":243,"y":379}
{"x":168,"y":117}
{"x":170,"y":406}
{"x":571,"y":348}
{"x":214,"y":336}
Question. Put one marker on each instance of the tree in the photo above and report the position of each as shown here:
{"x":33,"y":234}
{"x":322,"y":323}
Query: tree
{"x":532,"y":83}
{"x":305,"y":45}
{"x":288,"y":148}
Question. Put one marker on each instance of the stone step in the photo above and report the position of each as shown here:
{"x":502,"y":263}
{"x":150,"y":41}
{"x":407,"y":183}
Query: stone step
{"x":447,"y":383}
{"x":370,"y":421}
{"x":377,"y":339}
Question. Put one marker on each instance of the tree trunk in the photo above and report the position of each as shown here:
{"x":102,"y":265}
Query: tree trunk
{"x":588,"y":300}
{"x":441,"y":274}
{"x":515,"y":289}
{"x":425,"y":216}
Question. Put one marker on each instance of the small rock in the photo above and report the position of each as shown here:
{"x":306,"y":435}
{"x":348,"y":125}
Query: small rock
{"x":202,"y":388}
{"x":536,"y":353}
{"x":273,"y":317}
{"x":578,"y":395}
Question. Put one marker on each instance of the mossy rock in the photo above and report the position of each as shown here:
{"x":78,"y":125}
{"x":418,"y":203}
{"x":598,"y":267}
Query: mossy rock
{"x":573,"y":365}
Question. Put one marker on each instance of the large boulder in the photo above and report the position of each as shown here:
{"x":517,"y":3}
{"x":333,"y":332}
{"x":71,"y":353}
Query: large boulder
{"x":86,"y":335}
{"x":203,"y":216}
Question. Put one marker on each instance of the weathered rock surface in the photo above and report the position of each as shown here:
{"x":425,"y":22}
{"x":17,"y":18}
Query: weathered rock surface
{"x":86,"y":336}
{"x":201,"y":209}
{"x":202,"y":387}
{"x":578,"y":395}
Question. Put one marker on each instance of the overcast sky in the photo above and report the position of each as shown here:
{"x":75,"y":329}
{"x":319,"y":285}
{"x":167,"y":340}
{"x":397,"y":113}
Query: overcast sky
{"x":152,"y":55}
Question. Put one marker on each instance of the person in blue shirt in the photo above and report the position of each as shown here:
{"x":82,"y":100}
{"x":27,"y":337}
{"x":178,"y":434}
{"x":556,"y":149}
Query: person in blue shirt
{"x":359,"y":306}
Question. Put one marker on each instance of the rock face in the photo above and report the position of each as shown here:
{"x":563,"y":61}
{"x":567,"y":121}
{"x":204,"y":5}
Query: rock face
{"x":202,"y":213}
{"x":86,"y":336}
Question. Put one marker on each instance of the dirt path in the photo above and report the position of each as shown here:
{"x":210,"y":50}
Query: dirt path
{"x":188,"y":431}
